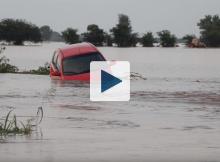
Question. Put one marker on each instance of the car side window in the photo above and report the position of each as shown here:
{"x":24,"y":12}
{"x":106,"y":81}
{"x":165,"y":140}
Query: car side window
{"x":58,"y":62}
{"x":54,"y":59}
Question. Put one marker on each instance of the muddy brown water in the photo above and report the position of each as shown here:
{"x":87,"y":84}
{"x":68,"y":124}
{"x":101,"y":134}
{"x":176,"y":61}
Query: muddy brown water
{"x":173,"y":115}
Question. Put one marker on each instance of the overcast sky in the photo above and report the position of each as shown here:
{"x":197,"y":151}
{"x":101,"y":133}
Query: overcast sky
{"x":178,"y":16}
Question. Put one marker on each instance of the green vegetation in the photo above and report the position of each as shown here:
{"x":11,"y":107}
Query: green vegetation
{"x":42,"y":70}
{"x":108,"y":40}
{"x":122,"y":33}
{"x":210,"y":30}
{"x":188,"y":39}
{"x":5,"y":67}
{"x":10,"y":125}
{"x":17,"y":31}
{"x":167,"y":39}
{"x":147,"y":40}
{"x":70,"y":36}
{"x":94,"y":35}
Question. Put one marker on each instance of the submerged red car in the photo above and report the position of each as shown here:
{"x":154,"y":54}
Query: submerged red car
{"x":73,"y":62}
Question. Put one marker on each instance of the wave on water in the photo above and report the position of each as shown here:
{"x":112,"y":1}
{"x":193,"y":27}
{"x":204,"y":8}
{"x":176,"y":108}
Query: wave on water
{"x":193,"y":97}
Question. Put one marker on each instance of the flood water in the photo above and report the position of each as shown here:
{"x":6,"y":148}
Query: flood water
{"x":173,"y":115}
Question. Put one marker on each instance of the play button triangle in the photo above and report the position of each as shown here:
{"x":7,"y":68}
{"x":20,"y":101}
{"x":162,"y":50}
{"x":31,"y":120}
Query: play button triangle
{"x":108,"y":81}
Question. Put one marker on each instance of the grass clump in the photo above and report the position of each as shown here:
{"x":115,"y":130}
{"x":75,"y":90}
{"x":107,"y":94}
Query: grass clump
{"x":10,"y":125}
{"x":5,"y":67}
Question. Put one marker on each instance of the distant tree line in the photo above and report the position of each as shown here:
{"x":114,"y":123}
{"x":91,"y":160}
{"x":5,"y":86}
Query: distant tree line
{"x":121,"y":35}
{"x":16,"y":31}
{"x":210,"y":30}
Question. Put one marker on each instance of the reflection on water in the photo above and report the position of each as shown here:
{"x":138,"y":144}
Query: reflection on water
{"x":61,"y":83}
{"x":87,"y":123}
{"x":170,"y":115}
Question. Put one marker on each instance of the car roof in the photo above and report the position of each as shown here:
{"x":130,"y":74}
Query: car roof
{"x":78,"y":49}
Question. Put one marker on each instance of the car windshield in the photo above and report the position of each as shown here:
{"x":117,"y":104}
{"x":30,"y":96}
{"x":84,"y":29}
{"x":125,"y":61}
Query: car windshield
{"x":80,"y":64}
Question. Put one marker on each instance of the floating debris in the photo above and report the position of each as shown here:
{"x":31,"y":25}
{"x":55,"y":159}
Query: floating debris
{"x":137,"y":76}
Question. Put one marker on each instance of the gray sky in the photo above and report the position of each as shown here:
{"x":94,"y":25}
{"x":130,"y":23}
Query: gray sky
{"x":178,"y":16}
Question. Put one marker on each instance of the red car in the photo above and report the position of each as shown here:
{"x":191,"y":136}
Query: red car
{"x":73,"y":62}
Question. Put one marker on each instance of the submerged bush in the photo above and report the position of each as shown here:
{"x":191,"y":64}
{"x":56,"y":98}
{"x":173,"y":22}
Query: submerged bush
{"x":5,"y":67}
{"x":42,"y":70}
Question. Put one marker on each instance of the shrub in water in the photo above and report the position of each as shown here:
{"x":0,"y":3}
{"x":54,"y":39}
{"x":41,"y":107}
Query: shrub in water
{"x":5,"y":67}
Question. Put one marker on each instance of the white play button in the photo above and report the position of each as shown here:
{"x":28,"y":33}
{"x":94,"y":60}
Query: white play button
{"x":109,"y":81}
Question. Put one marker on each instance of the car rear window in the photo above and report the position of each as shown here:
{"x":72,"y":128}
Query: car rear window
{"x":80,"y":64}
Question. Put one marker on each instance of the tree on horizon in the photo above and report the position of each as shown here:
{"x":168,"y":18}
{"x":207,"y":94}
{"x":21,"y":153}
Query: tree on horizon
{"x":122,"y":32}
{"x":147,"y":40}
{"x":17,"y":31}
{"x":167,"y":39}
{"x":210,"y":30}
{"x":71,"y":36}
{"x":94,"y":35}
{"x":188,"y":39}
{"x":46,"y":32}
